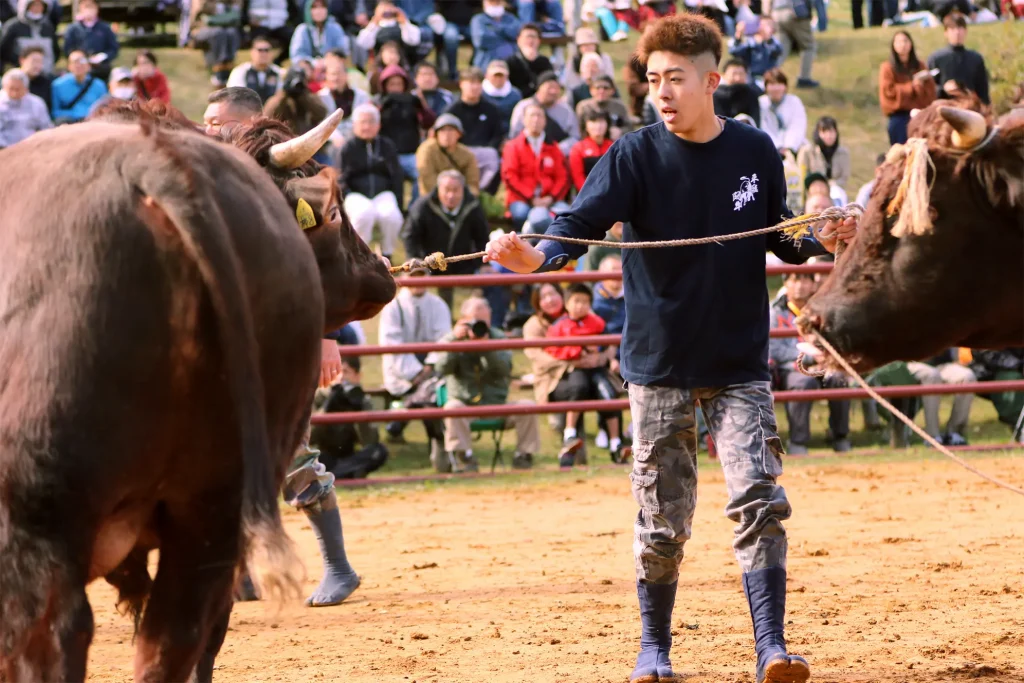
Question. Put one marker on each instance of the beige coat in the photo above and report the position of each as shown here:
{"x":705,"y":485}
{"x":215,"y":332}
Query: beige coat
{"x":431,"y":159}
{"x":811,"y":160}
{"x":547,"y":371}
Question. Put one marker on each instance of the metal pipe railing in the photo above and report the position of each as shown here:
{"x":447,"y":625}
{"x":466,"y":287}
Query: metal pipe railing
{"x":623,"y":404}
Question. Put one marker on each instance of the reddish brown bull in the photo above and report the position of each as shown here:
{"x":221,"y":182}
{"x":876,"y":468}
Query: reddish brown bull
{"x":948,"y":271}
{"x":158,"y":287}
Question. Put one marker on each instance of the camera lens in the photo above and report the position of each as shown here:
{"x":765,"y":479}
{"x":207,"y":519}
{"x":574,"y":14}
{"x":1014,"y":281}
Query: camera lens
{"x":480,"y":328}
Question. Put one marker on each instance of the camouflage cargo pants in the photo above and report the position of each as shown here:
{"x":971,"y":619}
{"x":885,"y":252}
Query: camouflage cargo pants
{"x":741,"y":420}
{"x":308,"y":481}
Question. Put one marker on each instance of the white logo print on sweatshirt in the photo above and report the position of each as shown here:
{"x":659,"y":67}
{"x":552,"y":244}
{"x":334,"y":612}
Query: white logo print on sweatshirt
{"x":748,"y":188}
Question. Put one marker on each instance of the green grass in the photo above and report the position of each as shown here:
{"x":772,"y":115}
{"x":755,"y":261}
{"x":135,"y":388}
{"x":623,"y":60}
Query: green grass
{"x":846,"y":65}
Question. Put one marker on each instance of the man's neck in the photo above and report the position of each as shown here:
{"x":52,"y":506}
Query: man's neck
{"x":530,"y":55}
{"x":707,"y":128}
{"x":80,"y":79}
{"x":471,"y":103}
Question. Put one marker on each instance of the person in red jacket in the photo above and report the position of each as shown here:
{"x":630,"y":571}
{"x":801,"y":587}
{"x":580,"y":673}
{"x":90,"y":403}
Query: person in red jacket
{"x":150,"y":82}
{"x":585,"y":153}
{"x":535,"y":175}
{"x":580,"y":321}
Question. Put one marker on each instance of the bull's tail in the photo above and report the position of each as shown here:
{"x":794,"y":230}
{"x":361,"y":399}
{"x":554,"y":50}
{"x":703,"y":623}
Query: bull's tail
{"x":171,"y":203}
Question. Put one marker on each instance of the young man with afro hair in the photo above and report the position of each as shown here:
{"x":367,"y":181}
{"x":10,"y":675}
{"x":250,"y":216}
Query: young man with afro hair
{"x":696,"y":329}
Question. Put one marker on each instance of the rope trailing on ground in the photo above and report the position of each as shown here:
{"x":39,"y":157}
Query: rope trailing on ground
{"x":795,"y":228}
{"x":910,"y":423}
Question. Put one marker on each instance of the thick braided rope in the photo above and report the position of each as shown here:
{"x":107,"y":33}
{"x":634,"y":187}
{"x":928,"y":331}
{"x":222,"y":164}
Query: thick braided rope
{"x":795,"y":228}
{"x":910,"y":423}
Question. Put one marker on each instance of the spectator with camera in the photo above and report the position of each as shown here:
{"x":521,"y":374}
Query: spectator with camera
{"x":479,"y":378}
{"x":390,"y":24}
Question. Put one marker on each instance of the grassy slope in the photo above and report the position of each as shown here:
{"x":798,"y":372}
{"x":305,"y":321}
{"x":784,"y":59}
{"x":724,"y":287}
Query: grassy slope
{"x":846,"y":65}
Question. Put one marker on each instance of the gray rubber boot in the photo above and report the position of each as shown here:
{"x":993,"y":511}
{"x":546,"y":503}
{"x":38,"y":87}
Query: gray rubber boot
{"x":340,"y":579}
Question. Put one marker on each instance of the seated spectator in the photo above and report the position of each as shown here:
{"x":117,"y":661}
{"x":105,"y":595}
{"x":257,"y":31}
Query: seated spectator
{"x":526,"y":64}
{"x":317,"y":34}
{"x":414,"y":316}
{"x":533,"y":169}
{"x":586,"y":153}
{"x":39,"y":82}
{"x":372,"y":179}
{"x":444,"y":152}
{"x":904,"y":84}
{"x":21,"y":112}
{"x":817,"y":202}
{"x":715,"y":10}
{"x":654,"y":9}
{"x":783,"y":115}
{"x":120,"y":87}
{"x":390,"y":24}
{"x":268,"y":19}
{"x":353,"y":17}
{"x":615,"y":17}
{"x":403,"y":117}
{"x":586,"y":44}
{"x":551,"y":22}
{"x":500,"y":92}
{"x":30,"y":28}
{"x":560,"y":120}
{"x":479,"y":378}
{"x":958,"y":66}
{"x":590,"y":68}
{"x":448,"y":219}
{"x":483,"y":130}
{"x":864,"y":193}
{"x":602,"y":100}
{"x":423,"y":13}
{"x":338,"y":93}
{"x":260,"y":74}
{"x":428,"y":87}
{"x":946,"y":368}
{"x":215,"y":27}
{"x":228,"y":107}
{"x":389,"y":54}
{"x":825,"y":155}
{"x":816,"y":185}
{"x":760,"y":53}
{"x":337,"y":442}
{"x":314,"y":74}
{"x":579,"y":320}
{"x":597,"y":253}
{"x":296,"y":105}
{"x":735,"y":95}
{"x":150,"y":82}
{"x":493,"y":33}
{"x":454,"y":27}
{"x":77,"y":91}
{"x":995,"y":365}
{"x":783,"y":353}
{"x":94,"y":37}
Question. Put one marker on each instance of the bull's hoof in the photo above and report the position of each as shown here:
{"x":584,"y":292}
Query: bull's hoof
{"x":786,"y":669}
{"x":333,"y":590}
{"x":245,"y":591}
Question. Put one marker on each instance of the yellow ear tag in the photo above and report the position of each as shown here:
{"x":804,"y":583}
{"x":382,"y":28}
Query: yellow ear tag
{"x":304,"y":214}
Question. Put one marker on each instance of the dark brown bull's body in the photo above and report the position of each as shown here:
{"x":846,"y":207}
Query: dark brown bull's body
{"x":160,"y":317}
{"x":961,"y":283}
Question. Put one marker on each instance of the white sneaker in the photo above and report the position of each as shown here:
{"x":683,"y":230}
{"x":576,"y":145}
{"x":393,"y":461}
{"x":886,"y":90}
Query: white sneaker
{"x":619,"y":36}
{"x":601,"y":440}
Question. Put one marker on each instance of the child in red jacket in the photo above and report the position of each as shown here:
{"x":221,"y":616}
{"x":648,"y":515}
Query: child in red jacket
{"x":580,"y":321}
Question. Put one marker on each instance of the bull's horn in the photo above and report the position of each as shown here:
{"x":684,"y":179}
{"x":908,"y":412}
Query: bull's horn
{"x":293,"y":153}
{"x":969,"y":127}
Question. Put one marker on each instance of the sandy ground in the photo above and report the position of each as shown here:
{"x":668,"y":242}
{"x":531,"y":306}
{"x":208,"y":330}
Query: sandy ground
{"x":898,"y":572}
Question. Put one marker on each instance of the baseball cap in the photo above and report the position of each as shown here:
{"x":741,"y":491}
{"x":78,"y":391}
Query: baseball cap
{"x":120,"y":73}
{"x":497,"y":66}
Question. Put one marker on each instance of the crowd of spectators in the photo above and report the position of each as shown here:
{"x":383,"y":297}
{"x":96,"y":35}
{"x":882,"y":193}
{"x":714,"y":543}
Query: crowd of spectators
{"x":526,"y":117}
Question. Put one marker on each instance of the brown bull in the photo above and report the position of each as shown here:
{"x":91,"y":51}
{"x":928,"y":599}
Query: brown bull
{"x":161,"y":312}
{"x":939,"y":256}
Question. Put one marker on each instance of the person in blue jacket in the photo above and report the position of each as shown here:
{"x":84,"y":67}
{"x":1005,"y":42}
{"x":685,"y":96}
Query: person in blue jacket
{"x":75,"y":92}
{"x":493,"y":33}
{"x":94,"y":37}
{"x":318,"y":34}
{"x":696,"y":329}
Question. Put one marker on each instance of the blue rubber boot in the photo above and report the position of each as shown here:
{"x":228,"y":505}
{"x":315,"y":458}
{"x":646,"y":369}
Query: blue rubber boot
{"x":656,"y":603}
{"x":766,"y":593}
{"x":339,"y":579}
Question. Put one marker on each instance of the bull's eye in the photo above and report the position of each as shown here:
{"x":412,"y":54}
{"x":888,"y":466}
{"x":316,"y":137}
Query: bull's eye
{"x":334,"y":215}
{"x":933,"y":214}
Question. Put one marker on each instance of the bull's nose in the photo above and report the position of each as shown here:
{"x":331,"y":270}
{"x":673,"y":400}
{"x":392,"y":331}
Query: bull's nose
{"x":809,"y":321}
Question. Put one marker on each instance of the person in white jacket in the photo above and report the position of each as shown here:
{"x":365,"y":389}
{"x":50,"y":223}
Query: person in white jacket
{"x":783,"y":115}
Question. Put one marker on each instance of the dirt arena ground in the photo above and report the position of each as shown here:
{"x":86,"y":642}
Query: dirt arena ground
{"x":901,"y":572}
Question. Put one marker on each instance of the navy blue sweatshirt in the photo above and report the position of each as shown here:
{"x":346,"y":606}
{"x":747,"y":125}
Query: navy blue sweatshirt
{"x":696,"y":316}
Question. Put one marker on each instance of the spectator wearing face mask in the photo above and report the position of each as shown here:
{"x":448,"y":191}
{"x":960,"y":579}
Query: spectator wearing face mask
{"x":150,"y":82}
{"x":39,"y":82}
{"x":493,"y":33}
{"x":94,"y":37}
{"x":77,"y":91}
{"x":21,"y":112}
{"x":121,"y":87}
{"x":30,"y":28}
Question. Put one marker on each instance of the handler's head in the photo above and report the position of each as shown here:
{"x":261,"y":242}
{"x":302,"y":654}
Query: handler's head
{"x":681,"y":53}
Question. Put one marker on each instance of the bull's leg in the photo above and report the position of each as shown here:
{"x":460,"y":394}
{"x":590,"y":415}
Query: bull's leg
{"x":204,"y":668}
{"x":192,"y":589}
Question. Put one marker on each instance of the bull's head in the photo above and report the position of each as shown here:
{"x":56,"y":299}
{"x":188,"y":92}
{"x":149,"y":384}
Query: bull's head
{"x":939,"y":256}
{"x":357,"y":284}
